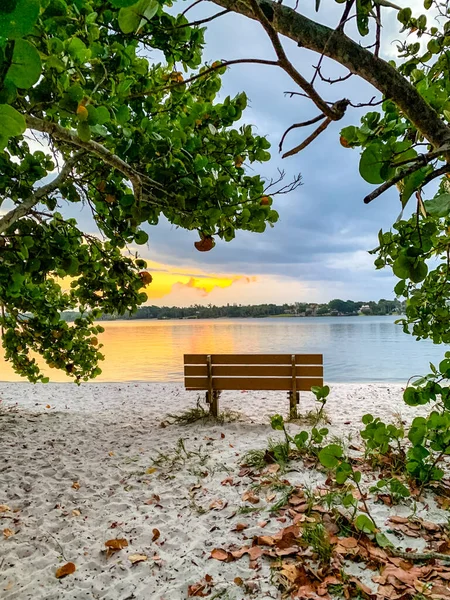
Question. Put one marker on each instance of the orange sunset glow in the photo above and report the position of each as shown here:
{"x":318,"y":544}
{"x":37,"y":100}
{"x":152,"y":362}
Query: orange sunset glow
{"x":168,"y":280}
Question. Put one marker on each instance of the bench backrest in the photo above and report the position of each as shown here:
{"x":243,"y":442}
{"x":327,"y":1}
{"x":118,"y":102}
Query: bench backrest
{"x":296,"y":372}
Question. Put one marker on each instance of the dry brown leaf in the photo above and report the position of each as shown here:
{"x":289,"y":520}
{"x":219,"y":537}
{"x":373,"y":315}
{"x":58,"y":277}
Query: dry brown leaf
{"x":227,"y":481}
{"x":349,"y":542}
{"x":218,"y":504}
{"x":76,"y":485}
{"x":4,"y":508}
{"x":220,"y":554}
{"x":240,"y":527}
{"x":9,"y":586}
{"x":65,"y":570}
{"x":238,"y":581}
{"x":76,"y":512}
{"x":151,"y":470}
{"x":397,"y":519}
{"x":116,"y":544}
{"x":136,"y":558}
{"x":8,"y":533}
{"x":156,"y":535}
{"x":202,"y":588}
{"x":262,"y":524}
{"x":110,"y":453}
{"x":153,"y":500}
{"x":249,"y":496}
{"x":266,"y":540}
{"x":48,"y":406}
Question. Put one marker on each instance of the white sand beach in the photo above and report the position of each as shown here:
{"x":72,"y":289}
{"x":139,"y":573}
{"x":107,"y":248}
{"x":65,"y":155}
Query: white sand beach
{"x":77,"y":468}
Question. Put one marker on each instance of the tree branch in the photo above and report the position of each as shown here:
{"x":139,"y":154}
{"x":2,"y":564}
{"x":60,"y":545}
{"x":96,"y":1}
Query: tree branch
{"x":419,"y":162}
{"x":309,"y":139}
{"x":289,"y":68}
{"x":385,"y":78}
{"x":71,"y":138}
{"x":24,"y":207}
{"x":296,"y":125}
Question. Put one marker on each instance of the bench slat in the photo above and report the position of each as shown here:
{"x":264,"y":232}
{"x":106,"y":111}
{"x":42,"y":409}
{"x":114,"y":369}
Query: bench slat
{"x":249,"y":383}
{"x":254,"y":359}
{"x":253,"y":371}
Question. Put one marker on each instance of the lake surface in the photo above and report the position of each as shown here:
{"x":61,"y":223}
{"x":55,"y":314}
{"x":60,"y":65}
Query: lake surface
{"x":355,"y":349}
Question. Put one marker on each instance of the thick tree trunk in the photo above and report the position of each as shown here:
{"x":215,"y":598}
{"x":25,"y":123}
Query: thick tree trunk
{"x":337,"y":46}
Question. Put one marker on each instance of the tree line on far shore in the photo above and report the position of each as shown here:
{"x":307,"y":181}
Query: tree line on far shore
{"x":333,"y":308}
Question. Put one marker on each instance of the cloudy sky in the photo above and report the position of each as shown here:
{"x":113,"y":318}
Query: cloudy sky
{"x":318,"y":249}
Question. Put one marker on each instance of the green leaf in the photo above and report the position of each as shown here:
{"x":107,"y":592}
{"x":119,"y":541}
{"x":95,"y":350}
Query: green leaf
{"x":11,"y":121}
{"x":20,"y":21}
{"x":84,"y":131}
{"x":132,"y":18}
{"x":141,"y":237}
{"x":277,"y":422}
{"x":402,"y":267}
{"x":418,"y":272}
{"x":26,"y":65}
{"x":330,"y":455}
{"x":367,"y":419}
{"x":412,"y":183}
{"x":382,"y":540}
{"x":364,"y":524}
{"x":300,"y":439}
{"x":78,"y":50}
{"x":370,"y":164}
{"x":343,"y":472}
{"x":439,"y":206}
{"x":103,"y":115}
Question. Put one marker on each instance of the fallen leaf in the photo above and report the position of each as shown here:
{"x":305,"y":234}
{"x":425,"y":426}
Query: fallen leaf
{"x":136,"y":558}
{"x":249,"y":496}
{"x":222,"y":435}
{"x":4,"y":508}
{"x":227,"y":481}
{"x":48,"y":406}
{"x":156,"y":535}
{"x":76,"y":485}
{"x":262,"y":524}
{"x":222,"y":555}
{"x":66,"y":569}
{"x":238,"y":581}
{"x":151,"y":470}
{"x":8,"y":533}
{"x":153,"y":500}
{"x":76,"y":512}
{"x":9,"y":586}
{"x":240,"y":527}
{"x":218,"y":505}
{"x":201,"y":588}
{"x":116,"y":544}
{"x":110,"y":453}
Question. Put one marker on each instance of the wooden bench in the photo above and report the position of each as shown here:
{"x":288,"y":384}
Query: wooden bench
{"x":214,"y":373}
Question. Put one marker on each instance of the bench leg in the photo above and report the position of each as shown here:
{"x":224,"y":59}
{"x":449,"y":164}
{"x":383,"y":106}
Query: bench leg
{"x":293,"y":400}
{"x":207,"y":400}
{"x":214,"y":406}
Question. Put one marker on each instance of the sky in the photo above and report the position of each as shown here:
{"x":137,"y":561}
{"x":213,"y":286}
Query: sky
{"x":318,"y":250}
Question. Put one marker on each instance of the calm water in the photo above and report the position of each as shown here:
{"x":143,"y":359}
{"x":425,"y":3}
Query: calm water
{"x":354,"y":348}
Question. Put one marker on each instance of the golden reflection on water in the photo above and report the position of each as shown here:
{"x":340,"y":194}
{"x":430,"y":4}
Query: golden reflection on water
{"x":354,"y":348}
{"x":146,"y":350}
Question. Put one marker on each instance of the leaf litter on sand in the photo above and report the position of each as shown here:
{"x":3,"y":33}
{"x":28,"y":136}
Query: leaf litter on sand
{"x":302,"y":573}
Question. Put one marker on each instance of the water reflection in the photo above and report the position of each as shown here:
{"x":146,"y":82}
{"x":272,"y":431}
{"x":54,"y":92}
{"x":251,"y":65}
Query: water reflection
{"x":355,"y":349}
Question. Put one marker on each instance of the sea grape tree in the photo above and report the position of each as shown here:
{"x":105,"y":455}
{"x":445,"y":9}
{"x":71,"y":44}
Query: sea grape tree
{"x":88,"y":117}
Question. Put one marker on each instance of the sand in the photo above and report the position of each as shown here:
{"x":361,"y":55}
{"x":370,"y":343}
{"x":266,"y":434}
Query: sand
{"x":77,"y":468}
